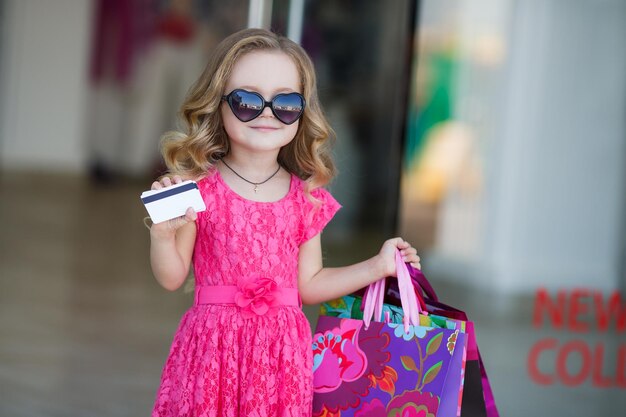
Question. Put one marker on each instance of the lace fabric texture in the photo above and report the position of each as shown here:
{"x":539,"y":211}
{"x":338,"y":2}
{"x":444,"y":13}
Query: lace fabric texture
{"x":221,"y":364}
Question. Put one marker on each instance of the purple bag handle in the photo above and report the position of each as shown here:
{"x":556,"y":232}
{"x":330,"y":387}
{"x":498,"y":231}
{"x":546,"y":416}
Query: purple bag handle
{"x":421,"y":282}
{"x":490,"y":401}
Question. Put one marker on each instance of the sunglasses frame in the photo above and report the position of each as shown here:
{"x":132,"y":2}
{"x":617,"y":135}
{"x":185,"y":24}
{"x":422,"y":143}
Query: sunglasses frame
{"x":229,"y":99}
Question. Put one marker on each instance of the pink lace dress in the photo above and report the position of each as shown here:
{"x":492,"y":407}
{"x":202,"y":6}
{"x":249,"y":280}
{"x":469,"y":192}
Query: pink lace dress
{"x":252,"y":355}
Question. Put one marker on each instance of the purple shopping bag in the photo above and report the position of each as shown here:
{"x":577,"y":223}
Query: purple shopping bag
{"x":372,"y":368}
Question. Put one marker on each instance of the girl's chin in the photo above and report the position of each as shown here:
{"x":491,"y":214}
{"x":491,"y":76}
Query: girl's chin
{"x":263,"y":143}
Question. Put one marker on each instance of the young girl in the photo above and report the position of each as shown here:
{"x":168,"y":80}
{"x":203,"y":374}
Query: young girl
{"x":256,"y":142}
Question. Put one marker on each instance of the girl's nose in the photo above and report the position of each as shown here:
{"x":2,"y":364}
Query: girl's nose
{"x":267,"y":112}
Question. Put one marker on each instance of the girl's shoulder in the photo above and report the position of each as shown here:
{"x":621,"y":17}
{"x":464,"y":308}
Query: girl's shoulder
{"x":315,"y":197}
{"x":207,"y":185}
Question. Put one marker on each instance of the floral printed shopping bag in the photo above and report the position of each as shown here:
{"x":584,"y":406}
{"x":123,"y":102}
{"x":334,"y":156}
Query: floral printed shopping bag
{"x":375,"y":368}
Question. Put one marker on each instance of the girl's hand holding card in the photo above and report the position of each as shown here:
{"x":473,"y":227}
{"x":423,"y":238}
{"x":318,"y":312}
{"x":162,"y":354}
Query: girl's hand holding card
{"x":166,"y":201}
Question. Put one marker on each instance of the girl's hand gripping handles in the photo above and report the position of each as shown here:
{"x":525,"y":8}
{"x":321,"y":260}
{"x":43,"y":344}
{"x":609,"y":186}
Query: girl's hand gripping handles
{"x":373,"y":300}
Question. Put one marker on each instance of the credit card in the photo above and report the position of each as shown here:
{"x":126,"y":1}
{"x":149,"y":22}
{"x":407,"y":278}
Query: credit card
{"x":171,"y":202}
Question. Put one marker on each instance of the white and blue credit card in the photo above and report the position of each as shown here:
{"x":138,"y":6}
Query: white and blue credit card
{"x":170,"y":202}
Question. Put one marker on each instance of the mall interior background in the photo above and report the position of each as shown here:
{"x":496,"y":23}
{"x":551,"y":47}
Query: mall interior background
{"x":491,"y":134}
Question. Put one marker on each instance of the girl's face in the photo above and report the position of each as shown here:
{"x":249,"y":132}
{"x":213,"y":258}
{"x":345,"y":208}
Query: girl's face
{"x":267,"y":73}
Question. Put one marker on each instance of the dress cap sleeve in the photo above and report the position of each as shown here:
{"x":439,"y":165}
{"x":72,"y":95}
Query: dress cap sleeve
{"x":319,"y":214}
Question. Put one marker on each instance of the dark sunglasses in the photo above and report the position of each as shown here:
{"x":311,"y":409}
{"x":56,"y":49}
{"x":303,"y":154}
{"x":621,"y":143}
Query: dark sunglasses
{"x":248,"y":105}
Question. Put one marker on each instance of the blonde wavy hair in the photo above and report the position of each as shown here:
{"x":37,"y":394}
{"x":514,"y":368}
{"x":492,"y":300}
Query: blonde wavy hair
{"x":202,"y":140}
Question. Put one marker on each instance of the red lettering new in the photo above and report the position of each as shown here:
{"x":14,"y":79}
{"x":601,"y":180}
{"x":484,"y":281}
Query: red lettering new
{"x":545,"y":304}
{"x":576,"y":308}
{"x":613,"y":308}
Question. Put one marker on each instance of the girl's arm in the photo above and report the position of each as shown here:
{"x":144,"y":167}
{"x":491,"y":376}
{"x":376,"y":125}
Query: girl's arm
{"x":318,"y":284}
{"x":171,"y":245}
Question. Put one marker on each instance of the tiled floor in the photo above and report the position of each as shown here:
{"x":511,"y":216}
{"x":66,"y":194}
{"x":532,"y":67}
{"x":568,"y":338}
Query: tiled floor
{"x":85,"y":329}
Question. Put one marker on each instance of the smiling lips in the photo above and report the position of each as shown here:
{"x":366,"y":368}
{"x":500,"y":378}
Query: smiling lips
{"x":265,"y":128}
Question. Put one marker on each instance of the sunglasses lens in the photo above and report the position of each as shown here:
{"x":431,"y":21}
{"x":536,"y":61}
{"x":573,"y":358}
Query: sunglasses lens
{"x":246,"y":106}
{"x":288,"y":107}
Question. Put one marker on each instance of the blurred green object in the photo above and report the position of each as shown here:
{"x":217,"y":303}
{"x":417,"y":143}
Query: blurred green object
{"x":440,"y":68}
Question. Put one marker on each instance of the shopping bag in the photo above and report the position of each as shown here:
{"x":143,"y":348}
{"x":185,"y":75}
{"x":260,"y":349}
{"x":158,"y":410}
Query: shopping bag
{"x":478,"y":399}
{"x":363,"y":367}
{"x":351,"y":306}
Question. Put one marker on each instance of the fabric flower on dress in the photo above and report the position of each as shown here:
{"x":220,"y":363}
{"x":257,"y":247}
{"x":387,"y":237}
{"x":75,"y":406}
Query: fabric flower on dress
{"x":257,"y":297}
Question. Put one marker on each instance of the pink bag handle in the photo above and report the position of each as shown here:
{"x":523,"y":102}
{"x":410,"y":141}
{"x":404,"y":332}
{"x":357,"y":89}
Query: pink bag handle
{"x":373,"y":299}
{"x":408,"y":299}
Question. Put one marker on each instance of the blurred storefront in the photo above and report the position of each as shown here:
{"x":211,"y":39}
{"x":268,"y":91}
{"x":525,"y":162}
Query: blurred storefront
{"x":515,"y":155}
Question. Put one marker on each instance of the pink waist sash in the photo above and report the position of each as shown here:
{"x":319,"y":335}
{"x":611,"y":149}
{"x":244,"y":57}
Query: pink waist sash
{"x":225,"y":294}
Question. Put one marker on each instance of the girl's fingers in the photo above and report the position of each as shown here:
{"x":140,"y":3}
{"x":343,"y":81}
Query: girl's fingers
{"x":410,"y":255}
{"x":166,"y":182}
{"x":176,"y":223}
{"x":191,"y":214}
{"x":411,"y":258}
{"x":398,"y":242}
{"x":409,"y":251}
